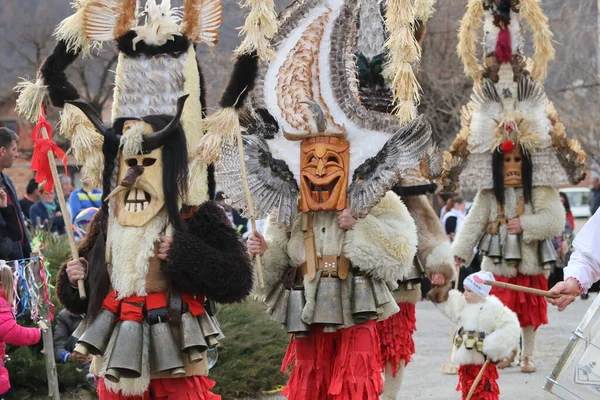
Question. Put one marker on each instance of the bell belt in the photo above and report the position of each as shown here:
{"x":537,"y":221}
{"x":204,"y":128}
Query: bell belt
{"x":337,"y":266}
{"x":132,"y":308}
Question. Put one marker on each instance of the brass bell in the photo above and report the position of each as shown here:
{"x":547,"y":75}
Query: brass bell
{"x":209,"y":330}
{"x":126,"y":356}
{"x":97,"y":335}
{"x":192,"y":339}
{"x":415,"y":274}
{"x":495,"y":252}
{"x":328,"y":307}
{"x":294,"y":322}
{"x":547,"y":254}
{"x":273,"y":297}
{"x":164,"y":352}
{"x":480,"y":342}
{"x":512,"y":248}
{"x":484,"y":244}
{"x":363,"y":299}
{"x":280,"y":309}
{"x":382,"y":292}
{"x":470,"y":342}
{"x":458,"y":340}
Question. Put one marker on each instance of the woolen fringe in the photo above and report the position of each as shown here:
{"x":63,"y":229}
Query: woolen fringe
{"x":396,"y":337}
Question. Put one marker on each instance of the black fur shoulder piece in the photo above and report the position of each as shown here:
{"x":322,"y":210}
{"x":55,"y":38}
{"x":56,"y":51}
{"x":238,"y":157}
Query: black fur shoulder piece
{"x":241,"y":82}
{"x":174,"y":48}
{"x":53,"y":74}
{"x":210,"y":258}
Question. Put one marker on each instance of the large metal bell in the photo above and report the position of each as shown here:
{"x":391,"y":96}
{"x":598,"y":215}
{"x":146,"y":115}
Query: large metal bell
{"x":164,"y":352}
{"x":126,"y":356}
{"x":547,"y":254}
{"x":484,"y":244}
{"x":209,"y":330}
{"x":294,"y":322}
{"x":192,"y":339}
{"x":495,"y":252}
{"x":363,"y":299}
{"x":328,"y":307}
{"x":280,"y":309}
{"x":512,"y":248}
{"x":382,"y":292}
{"x":95,"y":339}
{"x":273,"y":297}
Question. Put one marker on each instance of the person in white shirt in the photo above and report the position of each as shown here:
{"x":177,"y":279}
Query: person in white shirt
{"x":583,"y":268}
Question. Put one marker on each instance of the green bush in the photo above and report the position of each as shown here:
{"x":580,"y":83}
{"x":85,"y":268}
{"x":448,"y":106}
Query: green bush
{"x":251,"y":353}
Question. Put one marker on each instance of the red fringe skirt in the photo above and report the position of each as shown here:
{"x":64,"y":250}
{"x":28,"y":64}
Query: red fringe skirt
{"x":530,"y":309}
{"x":487,"y":389}
{"x":345,"y":365}
{"x":396,"y":336}
{"x":188,"y":388}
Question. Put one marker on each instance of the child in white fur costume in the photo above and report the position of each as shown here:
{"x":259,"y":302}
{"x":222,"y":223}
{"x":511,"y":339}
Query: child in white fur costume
{"x":485,"y":329}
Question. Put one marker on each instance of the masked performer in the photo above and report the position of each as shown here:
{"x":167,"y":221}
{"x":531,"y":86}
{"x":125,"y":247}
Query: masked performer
{"x":434,"y":257}
{"x":156,"y":350}
{"x":513,"y":149}
{"x":320,"y":165}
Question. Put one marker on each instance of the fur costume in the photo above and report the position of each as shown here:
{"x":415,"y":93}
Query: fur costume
{"x":500,"y":330}
{"x":513,"y":149}
{"x":312,"y":149}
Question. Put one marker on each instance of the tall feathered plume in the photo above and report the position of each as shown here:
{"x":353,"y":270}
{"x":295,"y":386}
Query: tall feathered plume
{"x":258,"y":30}
{"x":467,"y":39}
{"x":403,"y":52}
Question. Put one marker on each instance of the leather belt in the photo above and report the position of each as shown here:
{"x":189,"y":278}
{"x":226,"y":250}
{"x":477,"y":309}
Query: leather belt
{"x":331,"y":266}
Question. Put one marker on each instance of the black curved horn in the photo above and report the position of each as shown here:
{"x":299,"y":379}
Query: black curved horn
{"x":156,"y":139}
{"x":91,"y":114}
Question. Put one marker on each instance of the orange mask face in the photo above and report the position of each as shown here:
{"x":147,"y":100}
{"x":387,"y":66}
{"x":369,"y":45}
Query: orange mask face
{"x":513,"y":163}
{"x":325,"y":162}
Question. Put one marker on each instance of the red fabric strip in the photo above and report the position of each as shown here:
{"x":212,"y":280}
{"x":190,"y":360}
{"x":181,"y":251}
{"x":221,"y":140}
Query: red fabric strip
{"x":188,"y":388}
{"x":195,"y":303}
{"x":487,"y":388}
{"x":156,"y":300}
{"x":132,"y":309}
{"x":531,"y":310}
{"x":396,"y":337}
{"x":111,"y":303}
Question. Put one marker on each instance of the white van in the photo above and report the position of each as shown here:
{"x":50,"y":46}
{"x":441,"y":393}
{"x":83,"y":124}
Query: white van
{"x":579,"y":199}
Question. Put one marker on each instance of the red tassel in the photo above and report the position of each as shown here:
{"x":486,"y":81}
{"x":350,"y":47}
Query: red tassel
{"x":504,"y":46}
{"x":396,"y":337}
{"x":531,"y":310}
{"x":39,"y":160}
{"x":487,"y":388}
{"x":357,"y":368}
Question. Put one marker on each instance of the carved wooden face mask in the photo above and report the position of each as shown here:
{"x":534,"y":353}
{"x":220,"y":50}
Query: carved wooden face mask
{"x":141,"y":194}
{"x":513,"y":164}
{"x":324,"y":169}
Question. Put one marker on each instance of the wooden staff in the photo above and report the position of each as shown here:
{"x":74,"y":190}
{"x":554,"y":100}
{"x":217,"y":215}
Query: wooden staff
{"x":53,"y":390}
{"x":478,"y":379}
{"x":249,"y":202}
{"x":65,"y":211}
{"x":523,"y":289}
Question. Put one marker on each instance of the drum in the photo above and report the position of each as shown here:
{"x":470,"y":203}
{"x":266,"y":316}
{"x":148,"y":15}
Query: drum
{"x":577,"y":373}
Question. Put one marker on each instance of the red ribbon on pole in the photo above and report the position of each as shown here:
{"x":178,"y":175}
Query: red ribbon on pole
{"x":39,"y":161}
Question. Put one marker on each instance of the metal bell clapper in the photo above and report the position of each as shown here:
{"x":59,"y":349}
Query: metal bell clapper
{"x":470,"y":342}
{"x":495,"y":251}
{"x":280,"y":308}
{"x":164,"y":352}
{"x":547,"y":254}
{"x":363,"y":299}
{"x":97,"y":335}
{"x":484,"y":244}
{"x":294,"y":322}
{"x":209,"y":330}
{"x":512,"y":248}
{"x":328,"y":307}
{"x":126,"y":356}
{"x":192,"y":339}
{"x":273,"y":297}
{"x":382,"y":292}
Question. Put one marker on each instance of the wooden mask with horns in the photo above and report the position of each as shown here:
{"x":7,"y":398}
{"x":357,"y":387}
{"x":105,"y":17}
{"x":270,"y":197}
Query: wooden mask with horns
{"x":324,"y":166}
{"x":139,"y":196}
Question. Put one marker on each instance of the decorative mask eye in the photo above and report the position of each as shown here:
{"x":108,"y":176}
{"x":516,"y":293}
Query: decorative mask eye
{"x":148,"y":162}
{"x":313,"y":160}
{"x":132,"y":162}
